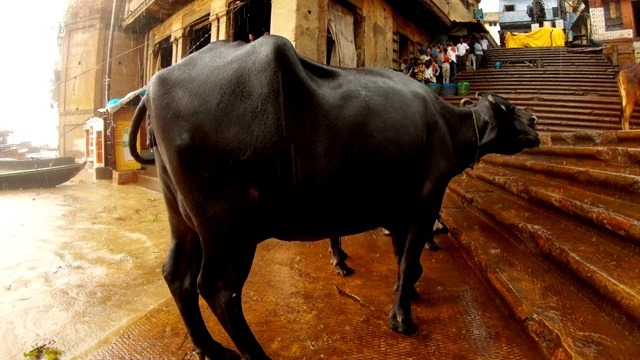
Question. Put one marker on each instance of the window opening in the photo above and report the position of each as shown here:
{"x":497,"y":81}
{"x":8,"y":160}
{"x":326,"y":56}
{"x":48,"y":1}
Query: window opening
{"x":200,"y":34}
{"x":165,"y":52}
{"x":612,"y":16}
{"x":99,"y":148}
{"x":252,"y":17}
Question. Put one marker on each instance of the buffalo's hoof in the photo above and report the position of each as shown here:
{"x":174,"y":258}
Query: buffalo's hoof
{"x":343,"y":270}
{"x":442,"y":229}
{"x":403,"y":326}
{"x":218,"y":353}
{"x":432,"y":246}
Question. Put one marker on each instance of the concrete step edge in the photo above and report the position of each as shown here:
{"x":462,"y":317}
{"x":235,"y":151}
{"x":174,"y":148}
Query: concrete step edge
{"x":554,"y":332}
{"x":622,"y":182}
{"x":589,"y":269}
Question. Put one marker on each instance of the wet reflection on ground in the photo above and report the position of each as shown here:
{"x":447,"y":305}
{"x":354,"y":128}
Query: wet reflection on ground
{"x":78,"y":262}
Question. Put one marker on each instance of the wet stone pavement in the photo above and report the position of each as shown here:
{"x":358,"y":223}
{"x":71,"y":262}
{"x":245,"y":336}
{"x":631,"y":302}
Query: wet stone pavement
{"x":299,"y":309}
{"x":79,"y":262}
{"x":82,"y":268}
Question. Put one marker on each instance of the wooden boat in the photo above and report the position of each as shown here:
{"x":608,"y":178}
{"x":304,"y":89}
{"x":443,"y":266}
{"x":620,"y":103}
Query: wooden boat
{"x":7,"y":165}
{"x":9,"y":151}
{"x":38,"y":175}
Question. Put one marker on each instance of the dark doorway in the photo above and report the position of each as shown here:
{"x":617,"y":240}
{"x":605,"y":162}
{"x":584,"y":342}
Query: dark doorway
{"x":165,"y":50}
{"x":200,"y":34}
{"x":635,"y":5}
{"x":252,"y":17}
{"x":404,"y":49}
{"x":330,"y":44}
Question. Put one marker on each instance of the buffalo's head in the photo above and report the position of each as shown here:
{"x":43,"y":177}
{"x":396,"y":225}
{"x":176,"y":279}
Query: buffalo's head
{"x":508,"y":129}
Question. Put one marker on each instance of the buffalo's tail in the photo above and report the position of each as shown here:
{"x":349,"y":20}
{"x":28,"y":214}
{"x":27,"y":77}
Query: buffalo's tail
{"x":136,"y":121}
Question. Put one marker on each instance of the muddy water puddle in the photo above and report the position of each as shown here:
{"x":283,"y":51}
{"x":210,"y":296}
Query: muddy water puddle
{"x":79,"y":261}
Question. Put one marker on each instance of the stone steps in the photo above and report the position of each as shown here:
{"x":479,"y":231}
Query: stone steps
{"x":574,"y":91}
{"x":555,"y":231}
{"x":550,"y":305}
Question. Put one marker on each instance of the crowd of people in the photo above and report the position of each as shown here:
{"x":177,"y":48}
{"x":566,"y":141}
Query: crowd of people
{"x":439,"y":63}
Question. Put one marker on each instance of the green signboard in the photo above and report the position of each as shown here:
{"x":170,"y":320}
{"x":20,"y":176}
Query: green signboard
{"x":478,"y":14}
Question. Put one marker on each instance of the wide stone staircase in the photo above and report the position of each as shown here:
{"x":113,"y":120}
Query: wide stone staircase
{"x":555,"y":231}
{"x":568,"y":89}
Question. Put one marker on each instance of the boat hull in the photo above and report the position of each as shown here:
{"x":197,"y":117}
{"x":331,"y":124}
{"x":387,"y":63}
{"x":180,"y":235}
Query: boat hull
{"x":45,"y":177}
{"x":7,"y":165}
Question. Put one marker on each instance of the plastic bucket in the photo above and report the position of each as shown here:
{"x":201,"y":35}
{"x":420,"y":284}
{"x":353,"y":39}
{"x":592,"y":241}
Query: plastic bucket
{"x":497,"y":64}
{"x":449,"y":89}
{"x":435,"y":87}
{"x":463,"y":88}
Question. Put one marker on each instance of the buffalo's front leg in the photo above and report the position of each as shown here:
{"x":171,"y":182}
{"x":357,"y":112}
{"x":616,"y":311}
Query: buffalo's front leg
{"x":438,"y":228}
{"x":409,"y":273}
{"x":339,"y":257}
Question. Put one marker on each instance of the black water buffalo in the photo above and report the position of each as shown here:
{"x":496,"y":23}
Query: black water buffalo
{"x":252,"y":142}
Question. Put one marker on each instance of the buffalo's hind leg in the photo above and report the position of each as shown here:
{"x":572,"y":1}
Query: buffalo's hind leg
{"x":180,"y":271}
{"x":399,"y":240}
{"x":339,"y":257}
{"x":409,"y":272}
{"x":225,"y":268}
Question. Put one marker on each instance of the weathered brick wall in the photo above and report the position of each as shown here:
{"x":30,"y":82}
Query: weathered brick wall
{"x":83,"y":9}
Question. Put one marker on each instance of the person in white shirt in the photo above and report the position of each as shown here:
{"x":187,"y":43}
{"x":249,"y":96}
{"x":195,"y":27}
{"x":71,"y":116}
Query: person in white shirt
{"x":463,"y":55}
{"x":452,"y":52}
{"x":477,"y":49}
{"x":485,"y":45}
{"x":432,"y":71}
{"x":404,"y":64}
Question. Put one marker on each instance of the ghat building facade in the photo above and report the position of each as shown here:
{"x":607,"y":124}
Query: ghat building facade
{"x":112,"y":48}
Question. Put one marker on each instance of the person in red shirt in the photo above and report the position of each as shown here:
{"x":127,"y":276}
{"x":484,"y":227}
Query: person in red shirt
{"x":446,"y":68}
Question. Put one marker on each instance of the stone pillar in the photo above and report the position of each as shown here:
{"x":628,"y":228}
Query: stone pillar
{"x":219,"y":20}
{"x":180,"y":42}
{"x":284,"y":18}
{"x":311,"y":28}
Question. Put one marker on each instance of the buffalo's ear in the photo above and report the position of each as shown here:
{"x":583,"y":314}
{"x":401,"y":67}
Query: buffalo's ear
{"x":494,"y":102}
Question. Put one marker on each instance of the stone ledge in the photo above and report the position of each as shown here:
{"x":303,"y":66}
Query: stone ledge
{"x":125,"y":177}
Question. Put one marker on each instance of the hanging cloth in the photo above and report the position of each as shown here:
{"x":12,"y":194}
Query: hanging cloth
{"x":341,"y":28}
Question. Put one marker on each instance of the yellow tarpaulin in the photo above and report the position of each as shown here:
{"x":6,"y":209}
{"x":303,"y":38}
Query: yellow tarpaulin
{"x":543,"y":37}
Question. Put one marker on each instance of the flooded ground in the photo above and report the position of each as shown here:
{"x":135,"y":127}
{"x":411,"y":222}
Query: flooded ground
{"x":79,"y":262}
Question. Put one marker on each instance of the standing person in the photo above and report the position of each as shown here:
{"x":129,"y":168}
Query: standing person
{"x":410,"y":68}
{"x":477,"y":49}
{"x":472,"y":55}
{"x":420,"y":71}
{"x":485,"y":46}
{"x":404,"y":64}
{"x":439,"y":56}
{"x":446,"y":68}
{"x":252,"y":37}
{"x":452,"y":51}
{"x":463,"y":55}
{"x":432,"y":71}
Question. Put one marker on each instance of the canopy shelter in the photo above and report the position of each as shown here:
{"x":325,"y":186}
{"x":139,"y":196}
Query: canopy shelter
{"x":543,"y":37}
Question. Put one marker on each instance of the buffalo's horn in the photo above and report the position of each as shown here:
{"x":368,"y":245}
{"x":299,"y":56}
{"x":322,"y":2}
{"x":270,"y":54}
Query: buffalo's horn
{"x":465,"y":100}
{"x":493,"y":101}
